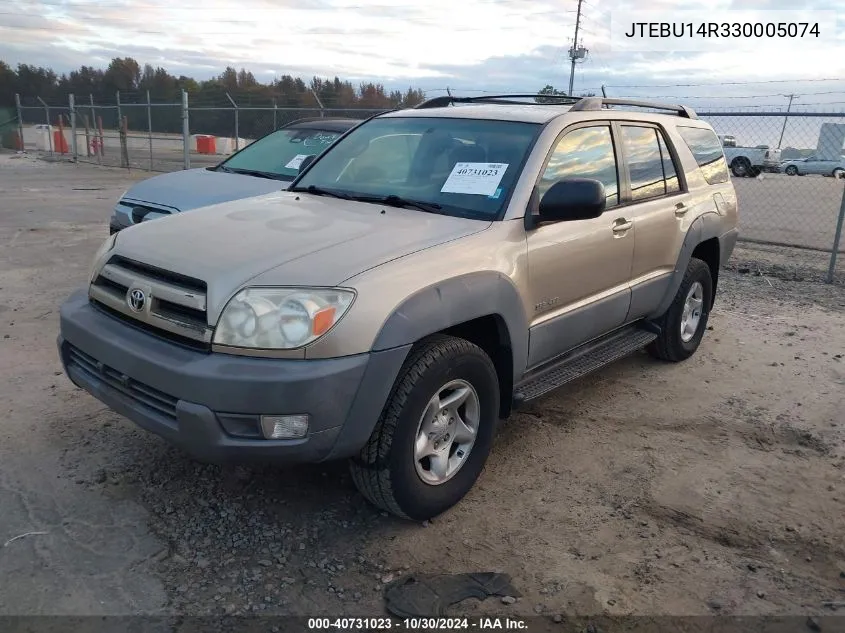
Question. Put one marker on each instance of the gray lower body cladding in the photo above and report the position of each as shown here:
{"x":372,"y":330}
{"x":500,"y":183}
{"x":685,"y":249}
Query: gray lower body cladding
{"x":209,"y":404}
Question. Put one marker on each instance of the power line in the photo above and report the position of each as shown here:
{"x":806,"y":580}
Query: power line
{"x":802,"y":94}
{"x":724,"y":83}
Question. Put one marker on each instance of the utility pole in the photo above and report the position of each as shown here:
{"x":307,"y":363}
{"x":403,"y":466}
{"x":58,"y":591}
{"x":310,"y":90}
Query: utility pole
{"x":786,"y":118}
{"x":574,"y":52}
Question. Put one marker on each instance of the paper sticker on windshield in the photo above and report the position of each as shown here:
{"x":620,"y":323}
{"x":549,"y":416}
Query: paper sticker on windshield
{"x":480,"y":179}
{"x":296,"y":161}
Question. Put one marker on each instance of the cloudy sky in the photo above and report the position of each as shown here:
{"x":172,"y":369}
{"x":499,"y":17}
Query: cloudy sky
{"x":467,"y":45}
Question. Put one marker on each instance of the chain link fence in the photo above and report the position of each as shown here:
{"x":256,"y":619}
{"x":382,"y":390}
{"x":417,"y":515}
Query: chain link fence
{"x":788,"y":168}
{"x":135,"y":131}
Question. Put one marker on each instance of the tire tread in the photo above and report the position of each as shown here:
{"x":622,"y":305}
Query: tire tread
{"x":665,"y":346}
{"x":370,"y":471}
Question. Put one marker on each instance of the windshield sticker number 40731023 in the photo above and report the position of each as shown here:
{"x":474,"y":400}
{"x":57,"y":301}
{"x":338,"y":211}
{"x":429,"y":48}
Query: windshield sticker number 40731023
{"x":480,"y":179}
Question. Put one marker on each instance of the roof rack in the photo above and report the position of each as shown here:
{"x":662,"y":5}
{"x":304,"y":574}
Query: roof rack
{"x":588,"y":104}
{"x":579,"y":104}
{"x":440,"y":102}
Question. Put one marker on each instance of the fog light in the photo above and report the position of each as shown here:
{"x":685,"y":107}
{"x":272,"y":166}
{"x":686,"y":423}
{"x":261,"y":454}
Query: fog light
{"x":284,"y":427}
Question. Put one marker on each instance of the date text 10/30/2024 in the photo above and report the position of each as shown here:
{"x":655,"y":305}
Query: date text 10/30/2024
{"x":413,"y":624}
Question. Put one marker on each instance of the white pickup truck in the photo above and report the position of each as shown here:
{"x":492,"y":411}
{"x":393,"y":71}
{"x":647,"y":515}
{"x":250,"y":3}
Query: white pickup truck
{"x":750,"y":161}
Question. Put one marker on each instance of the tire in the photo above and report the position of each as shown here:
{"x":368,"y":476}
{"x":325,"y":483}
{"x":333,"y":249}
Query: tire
{"x":388,"y":472}
{"x":672,"y":345}
{"x":838,"y":173}
{"x":740,"y":167}
{"x":792,"y":170}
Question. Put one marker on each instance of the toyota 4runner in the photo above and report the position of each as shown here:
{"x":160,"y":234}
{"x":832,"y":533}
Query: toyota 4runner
{"x":430,"y":271}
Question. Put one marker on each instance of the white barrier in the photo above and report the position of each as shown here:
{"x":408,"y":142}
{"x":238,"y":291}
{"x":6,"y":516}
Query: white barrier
{"x":44,"y":138}
{"x":226,"y":145}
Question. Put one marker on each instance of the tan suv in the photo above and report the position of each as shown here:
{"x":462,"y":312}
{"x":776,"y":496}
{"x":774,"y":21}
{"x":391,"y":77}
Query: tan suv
{"x":431,"y":270}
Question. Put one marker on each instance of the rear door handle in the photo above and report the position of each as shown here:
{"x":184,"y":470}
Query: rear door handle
{"x":680,"y":209}
{"x":620,"y":225}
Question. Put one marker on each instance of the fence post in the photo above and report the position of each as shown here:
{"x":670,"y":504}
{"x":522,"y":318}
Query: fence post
{"x":49,"y":130}
{"x":20,"y":122}
{"x":99,"y":149}
{"x":102,"y":140}
{"x":237,"y":134}
{"x":150,"y":127}
{"x":73,"y":148}
{"x":319,"y":104}
{"x":186,"y":132}
{"x":61,"y":148}
{"x":275,"y":110}
{"x":836,"y":237}
{"x":119,"y":113}
{"x":87,"y":136}
{"x":124,"y":143}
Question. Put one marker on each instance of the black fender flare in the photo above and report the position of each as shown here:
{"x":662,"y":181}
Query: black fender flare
{"x":705,"y":227}
{"x":455,"y":301}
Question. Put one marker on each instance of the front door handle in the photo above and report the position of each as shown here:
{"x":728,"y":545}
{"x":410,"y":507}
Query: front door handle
{"x":680,"y":209}
{"x":620,"y":225}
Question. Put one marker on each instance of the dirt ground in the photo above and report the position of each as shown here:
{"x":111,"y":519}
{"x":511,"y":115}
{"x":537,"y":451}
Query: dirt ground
{"x":712,"y":486}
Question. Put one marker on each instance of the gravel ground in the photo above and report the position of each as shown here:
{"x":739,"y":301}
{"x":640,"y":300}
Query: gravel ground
{"x":712,"y":486}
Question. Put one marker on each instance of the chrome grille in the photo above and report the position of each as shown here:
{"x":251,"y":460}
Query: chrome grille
{"x":175,"y":304}
{"x":146,"y":396}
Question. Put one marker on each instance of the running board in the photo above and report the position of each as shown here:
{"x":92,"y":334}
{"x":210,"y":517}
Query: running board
{"x":582,"y":361}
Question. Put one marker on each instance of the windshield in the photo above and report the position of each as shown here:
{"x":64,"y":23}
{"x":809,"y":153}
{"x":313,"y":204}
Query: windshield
{"x":464,"y":167}
{"x":279,"y":154}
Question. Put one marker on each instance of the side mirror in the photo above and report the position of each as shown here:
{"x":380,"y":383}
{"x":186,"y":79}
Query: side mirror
{"x":573,"y":199}
{"x":305,"y":162}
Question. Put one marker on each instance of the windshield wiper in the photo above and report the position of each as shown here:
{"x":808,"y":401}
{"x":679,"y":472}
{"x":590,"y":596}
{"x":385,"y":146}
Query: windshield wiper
{"x":398,"y":201}
{"x":319,"y":191}
{"x":253,"y":172}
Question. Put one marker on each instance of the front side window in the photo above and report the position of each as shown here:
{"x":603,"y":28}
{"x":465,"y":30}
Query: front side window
{"x":278,"y":155}
{"x":708,"y":153}
{"x":585,"y":152}
{"x":455,"y":166}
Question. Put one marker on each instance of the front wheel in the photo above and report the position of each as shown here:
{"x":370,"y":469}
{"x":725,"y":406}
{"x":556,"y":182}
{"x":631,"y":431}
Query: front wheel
{"x":792,"y":170}
{"x":740,"y":167}
{"x":838,"y":173}
{"x":684,"y":323}
{"x":434,"y":435}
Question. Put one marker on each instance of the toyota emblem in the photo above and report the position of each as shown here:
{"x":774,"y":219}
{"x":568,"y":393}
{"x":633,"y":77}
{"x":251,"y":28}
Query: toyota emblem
{"x":136,"y":299}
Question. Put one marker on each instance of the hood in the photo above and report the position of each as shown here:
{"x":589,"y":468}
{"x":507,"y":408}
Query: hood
{"x":285,"y":239}
{"x":194,"y":188}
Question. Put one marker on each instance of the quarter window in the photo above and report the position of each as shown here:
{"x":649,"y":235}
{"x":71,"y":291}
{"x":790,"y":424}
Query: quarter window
{"x":708,"y":153}
{"x":584,"y":153}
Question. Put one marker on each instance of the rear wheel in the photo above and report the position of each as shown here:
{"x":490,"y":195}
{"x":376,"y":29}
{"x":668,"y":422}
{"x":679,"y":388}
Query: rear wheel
{"x":433,"y":437}
{"x":838,"y":173}
{"x":684,"y":323}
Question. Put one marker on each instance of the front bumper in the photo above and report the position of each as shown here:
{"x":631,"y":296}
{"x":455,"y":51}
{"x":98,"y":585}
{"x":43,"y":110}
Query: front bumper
{"x":209,"y":404}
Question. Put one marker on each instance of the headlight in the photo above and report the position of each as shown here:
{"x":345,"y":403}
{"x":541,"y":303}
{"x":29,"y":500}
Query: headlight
{"x":280,"y":318}
{"x":105,"y":247}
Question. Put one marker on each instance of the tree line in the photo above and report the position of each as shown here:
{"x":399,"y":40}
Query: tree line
{"x":127,"y":76}
{"x":292,"y":95}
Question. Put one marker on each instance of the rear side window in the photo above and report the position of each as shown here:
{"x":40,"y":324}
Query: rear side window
{"x":650,"y":168}
{"x":669,"y":171}
{"x":708,"y":153}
